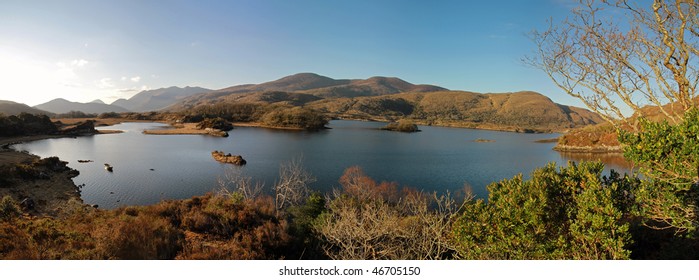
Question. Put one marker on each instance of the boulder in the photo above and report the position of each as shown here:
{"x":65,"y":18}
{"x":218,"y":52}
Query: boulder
{"x":228,"y":158}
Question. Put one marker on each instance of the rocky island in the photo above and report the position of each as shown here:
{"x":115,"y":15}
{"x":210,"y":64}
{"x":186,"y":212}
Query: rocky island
{"x":228,"y":158}
{"x":401,"y":126}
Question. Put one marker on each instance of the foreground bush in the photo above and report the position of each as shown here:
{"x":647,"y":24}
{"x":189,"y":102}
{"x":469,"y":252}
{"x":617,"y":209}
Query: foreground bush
{"x":668,"y":156}
{"x":213,"y":226}
{"x":369,"y":220}
{"x":570,"y":213}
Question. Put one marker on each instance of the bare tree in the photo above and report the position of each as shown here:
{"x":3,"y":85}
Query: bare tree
{"x":235,"y":180}
{"x":293,"y":185}
{"x":615,"y":56}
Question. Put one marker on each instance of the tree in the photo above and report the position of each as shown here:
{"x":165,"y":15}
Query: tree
{"x":614,"y":55}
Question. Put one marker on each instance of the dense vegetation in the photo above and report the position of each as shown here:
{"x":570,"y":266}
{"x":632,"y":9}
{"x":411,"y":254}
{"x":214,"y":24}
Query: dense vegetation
{"x":401,"y":126}
{"x":26,"y":124}
{"x":571,"y":213}
{"x":216,"y":123}
{"x":270,"y":115}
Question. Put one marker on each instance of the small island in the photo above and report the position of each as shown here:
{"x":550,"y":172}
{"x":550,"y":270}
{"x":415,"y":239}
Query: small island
{"x":401,"y":126}
{"x":228,"y":158}
{"x":481,"y":140}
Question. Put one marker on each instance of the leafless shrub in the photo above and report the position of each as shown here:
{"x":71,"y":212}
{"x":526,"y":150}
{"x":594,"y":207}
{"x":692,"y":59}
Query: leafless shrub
{"x":235,"y":180}
{"x":292,"y":187}
{"x":416,"y":225}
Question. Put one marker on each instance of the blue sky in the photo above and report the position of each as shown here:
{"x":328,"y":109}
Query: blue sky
{"x":85,"y":50}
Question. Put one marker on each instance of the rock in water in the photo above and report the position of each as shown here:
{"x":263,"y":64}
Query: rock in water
{"x":228,"y":158}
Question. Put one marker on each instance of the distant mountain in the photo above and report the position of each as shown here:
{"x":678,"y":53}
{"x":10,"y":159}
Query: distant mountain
{"x":60,"y":106}
{"x":153,"y":100}
{"x":311,"y":84}
{"x":13,"y":108}
{"x":97,"y":101}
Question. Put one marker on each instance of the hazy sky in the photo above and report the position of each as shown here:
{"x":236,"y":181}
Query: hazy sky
{"x":85,"y":50}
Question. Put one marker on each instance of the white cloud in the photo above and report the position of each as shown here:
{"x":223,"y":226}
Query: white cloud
{"x":105,"y":83}
{"x":79,"y":62}
{"x":135,"y":79}
{"x":123,"y":79}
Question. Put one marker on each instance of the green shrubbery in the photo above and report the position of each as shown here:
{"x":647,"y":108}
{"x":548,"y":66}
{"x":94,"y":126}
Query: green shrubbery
{"x":668,"y":155}
{"x":569,"y":213}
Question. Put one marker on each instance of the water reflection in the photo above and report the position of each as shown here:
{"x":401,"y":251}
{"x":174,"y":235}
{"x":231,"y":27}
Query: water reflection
{"x":614,"y":161}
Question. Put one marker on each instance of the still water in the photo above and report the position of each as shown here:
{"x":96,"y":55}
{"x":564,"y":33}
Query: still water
{"x":150,"y":168}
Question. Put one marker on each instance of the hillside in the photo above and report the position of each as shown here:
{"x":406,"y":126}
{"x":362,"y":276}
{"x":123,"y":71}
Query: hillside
{"x":310,"y":84}
{"x":153,"y":100}
{"x":603,"y":138}
{"x":520,"y":111}
{"x":13,"y":108}
{"x":60,"y":106}
{"x":391,"y":99}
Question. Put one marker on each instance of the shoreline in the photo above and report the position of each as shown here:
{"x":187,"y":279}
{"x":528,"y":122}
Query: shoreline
{"x":589,"y":150}
{"x":191,"y":128}
{"x":52,"y":193}
{"x":489,"y":127}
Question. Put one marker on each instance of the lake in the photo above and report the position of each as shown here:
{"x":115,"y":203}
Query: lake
{"x":150,"y":168}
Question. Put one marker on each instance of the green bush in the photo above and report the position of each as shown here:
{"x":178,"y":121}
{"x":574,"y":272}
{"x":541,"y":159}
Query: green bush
{"x":668,"y":155}
{"x":570,"y":213}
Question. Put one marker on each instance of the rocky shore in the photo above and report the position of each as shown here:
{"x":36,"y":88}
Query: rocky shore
{"x":43,"y":187}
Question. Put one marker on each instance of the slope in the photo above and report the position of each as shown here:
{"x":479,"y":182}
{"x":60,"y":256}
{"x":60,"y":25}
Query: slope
{"x":13,"y":108}
{"x":153,"y":100}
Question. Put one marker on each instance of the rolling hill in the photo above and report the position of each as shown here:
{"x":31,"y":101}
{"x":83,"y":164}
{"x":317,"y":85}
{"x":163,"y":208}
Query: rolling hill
{"x":153,"y":100}
{"x":520,"y":111}
{"x":60,"y":106}
{"x":390,"y":99}
{"x":13,"y":108}
{"x":311,"y":84}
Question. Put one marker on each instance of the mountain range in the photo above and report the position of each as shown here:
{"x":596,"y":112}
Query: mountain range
{"x":389,"y":99}
{"x":154,"y":100}
{"x":61,"y":106}
{"x":375,"y":98}
{"x":313,"y":85}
